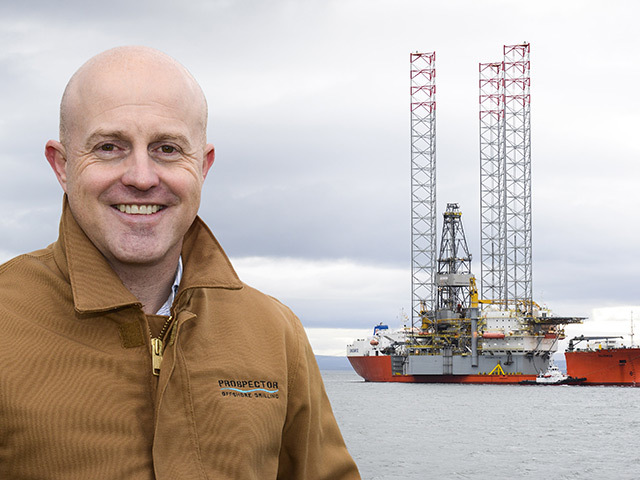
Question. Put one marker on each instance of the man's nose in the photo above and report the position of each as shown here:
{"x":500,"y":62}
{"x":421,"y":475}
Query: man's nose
{"x":140,"y":170}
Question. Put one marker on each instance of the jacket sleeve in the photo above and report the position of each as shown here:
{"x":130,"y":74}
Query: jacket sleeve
{"x":312,"y":445}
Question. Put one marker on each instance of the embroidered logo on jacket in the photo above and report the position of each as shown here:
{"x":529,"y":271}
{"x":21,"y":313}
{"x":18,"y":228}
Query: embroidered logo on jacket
{"x":249,"y":388}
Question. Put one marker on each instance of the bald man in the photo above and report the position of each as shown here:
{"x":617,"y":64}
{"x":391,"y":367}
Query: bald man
{"x":130,"y":348}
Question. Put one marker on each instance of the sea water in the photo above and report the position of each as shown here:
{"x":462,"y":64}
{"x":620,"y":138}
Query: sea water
{"x":448,"y":431}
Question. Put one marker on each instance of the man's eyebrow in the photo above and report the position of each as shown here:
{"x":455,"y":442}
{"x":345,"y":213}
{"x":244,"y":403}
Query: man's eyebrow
{"x":171,"y":137}
{"x":101,"y":134}
{"x":104,"y":135}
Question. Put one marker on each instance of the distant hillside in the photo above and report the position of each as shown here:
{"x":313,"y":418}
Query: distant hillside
{"x":328,"y":362}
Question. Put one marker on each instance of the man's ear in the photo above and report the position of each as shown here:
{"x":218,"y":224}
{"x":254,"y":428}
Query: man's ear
{"x":209,"y":157}
{"x":54,"y":151}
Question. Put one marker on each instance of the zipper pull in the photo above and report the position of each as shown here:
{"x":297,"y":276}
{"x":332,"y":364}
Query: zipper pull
{"x":156,"y":355}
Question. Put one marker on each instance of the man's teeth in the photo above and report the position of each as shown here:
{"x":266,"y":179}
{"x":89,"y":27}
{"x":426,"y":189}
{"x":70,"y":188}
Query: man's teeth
{"x":139,"y":209}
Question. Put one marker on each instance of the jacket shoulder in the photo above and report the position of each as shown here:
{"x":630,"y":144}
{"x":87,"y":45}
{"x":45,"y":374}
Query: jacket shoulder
{"x":273,"y":308}
{"x":27,"y":261}
{"x":29,"y":276}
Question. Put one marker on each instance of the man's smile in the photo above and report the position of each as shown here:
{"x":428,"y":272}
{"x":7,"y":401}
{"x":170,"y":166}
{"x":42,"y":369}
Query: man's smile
{"x":138,"y":209}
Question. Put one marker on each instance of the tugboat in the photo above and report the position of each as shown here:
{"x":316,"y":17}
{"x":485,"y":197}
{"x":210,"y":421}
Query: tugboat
{"x":553,"y":376}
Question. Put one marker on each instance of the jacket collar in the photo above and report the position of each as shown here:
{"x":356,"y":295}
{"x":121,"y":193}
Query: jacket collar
{"x":97,"y":288}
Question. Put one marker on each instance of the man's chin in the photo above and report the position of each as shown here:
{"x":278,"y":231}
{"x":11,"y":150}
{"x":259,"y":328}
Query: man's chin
{"x":142,"y":257}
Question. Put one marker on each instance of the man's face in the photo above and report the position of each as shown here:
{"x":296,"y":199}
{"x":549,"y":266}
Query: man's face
{"x":135,"y":161}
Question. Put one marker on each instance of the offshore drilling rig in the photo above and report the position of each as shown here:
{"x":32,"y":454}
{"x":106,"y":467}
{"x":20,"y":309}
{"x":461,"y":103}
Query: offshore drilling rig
{"x":505,"y":179}
{"x":459,"y":333}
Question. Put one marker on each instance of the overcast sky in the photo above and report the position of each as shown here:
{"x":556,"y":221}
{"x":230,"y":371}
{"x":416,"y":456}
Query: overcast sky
{"x":309,"y":113}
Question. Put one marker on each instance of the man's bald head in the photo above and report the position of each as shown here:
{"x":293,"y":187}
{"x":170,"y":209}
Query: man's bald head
{"x":133,"y":155}
{"x":134,"y":68}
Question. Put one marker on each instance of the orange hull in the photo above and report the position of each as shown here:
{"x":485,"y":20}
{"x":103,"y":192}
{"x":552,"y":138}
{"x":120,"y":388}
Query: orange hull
{"x":378,"y":369}
{"x":614,"y":366}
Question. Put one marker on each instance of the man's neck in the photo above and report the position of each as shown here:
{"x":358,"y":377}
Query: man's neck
{"x":151,"y":284}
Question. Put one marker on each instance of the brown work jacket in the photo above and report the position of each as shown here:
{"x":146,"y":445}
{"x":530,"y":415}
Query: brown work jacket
{"x":239,"y":394}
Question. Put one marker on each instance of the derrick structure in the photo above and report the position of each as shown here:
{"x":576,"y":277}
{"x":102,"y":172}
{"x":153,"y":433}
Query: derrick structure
{"x":454,"y":263}
{"x":423,"y":183}
{"x":505,"y":169}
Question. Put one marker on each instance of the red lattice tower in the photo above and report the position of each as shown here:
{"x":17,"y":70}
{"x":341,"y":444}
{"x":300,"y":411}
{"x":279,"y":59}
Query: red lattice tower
{"x":492,"y":245}
{"x":517,"y":153}
{"x":505,"y":177}
{"x":423,"y":183}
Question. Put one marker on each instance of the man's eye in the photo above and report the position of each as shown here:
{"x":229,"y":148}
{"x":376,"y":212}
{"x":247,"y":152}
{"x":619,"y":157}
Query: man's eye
{"x":108,"y":147}
{"x":167,"y":149}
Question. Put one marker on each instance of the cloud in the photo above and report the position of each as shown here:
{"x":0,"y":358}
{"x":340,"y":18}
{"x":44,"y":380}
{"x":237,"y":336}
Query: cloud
{"x":330,"y":293}
{"x":309,"y":115}
{"x":620,"y":320}
{"x":334,"y":341}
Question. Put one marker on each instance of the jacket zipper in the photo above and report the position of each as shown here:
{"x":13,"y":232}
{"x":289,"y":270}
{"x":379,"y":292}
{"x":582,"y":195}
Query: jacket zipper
{"x":157,"y":347}
{"x":156,"y":355}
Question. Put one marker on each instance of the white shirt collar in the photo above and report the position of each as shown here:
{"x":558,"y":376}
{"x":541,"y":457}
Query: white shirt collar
{"x":166,"y":308}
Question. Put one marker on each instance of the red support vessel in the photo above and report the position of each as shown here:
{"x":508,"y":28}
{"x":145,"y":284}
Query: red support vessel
{"x":603,"y":362}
